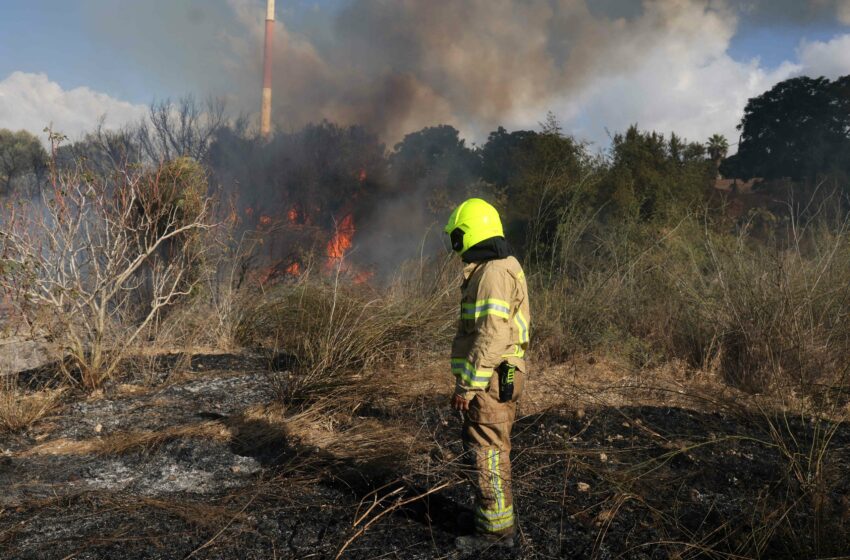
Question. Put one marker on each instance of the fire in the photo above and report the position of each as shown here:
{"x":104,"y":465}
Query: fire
{"x":278,"y":271}
{"x":363,"y":277}
{"x":302,"y":220}
{"x":340,"y":243}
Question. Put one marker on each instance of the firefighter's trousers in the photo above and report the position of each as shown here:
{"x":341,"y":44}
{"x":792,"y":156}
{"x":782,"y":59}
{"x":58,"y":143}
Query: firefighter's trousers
{"x":487,"y":442}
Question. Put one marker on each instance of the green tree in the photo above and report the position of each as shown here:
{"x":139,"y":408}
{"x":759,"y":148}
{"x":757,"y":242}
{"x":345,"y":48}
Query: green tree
{"x":648,"y":174}
{"x":799,"y":129}
{"x":523,"y":162}
{"x":717,"y":148}
{"x":538,"y":172}
{"x":434,"y":157}
{"x":20,"y":154}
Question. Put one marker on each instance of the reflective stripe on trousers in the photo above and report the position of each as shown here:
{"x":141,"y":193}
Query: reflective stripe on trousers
{"x":489,"y":448}
{"x":500,"y":517}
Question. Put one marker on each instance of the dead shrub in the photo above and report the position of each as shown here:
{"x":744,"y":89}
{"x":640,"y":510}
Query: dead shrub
{"x":103,"y":258}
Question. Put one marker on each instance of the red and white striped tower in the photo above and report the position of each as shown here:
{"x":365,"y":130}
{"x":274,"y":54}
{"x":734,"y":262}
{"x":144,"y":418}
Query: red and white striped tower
{"x":266,"y":113}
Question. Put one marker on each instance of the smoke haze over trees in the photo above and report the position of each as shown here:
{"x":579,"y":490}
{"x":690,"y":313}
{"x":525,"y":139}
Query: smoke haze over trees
{"x":21,"y":157}
{"x":663,"y":63}
{"x":314,"y":179}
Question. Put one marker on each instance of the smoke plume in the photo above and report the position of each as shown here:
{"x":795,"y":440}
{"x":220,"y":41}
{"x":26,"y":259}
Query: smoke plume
{"x":399,"y":65}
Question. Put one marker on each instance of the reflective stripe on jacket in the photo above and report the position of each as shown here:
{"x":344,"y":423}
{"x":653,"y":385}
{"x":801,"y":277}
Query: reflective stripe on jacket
{"x":494,"y":322}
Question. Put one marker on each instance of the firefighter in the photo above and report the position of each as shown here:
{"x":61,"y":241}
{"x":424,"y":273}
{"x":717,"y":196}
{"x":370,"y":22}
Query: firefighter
{"x":488,"y":362}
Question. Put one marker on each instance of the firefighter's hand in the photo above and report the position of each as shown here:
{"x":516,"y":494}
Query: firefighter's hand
{"x":460,"y":403}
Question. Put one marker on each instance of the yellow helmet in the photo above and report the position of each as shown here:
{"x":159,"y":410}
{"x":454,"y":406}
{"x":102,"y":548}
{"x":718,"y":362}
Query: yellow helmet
{"x":477,"y":220}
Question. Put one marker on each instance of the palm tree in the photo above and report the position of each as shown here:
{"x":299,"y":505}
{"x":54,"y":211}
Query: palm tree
{"x":717,"y":147}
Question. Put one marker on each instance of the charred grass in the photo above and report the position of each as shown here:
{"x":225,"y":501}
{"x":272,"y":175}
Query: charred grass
{"x":378,"y":468}
{"x":658,"y":482}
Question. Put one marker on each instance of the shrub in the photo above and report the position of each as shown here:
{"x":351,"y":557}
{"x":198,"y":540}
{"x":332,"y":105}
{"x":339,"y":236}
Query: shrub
{"x":780,"y":316}
{"x":103,"y":259}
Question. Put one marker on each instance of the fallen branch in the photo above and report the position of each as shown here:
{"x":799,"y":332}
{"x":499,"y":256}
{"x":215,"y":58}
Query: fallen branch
{"x":394,"y":507}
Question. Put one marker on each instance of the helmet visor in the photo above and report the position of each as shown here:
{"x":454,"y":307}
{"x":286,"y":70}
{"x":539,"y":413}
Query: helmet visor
{"x":456,"y":237}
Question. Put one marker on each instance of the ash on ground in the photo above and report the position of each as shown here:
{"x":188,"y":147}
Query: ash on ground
{"x":192,"y":465}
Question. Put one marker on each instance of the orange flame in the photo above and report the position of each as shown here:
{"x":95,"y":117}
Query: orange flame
{"x":362,"y":176}
{"x":277,"y":272}
{"x":340,"y":243}
{"x":363,"y":277}
{"x":292,"y":215}
{"x":265,"y":220}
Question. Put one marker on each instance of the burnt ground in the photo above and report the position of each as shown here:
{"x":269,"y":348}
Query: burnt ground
{"x":198,"y":464}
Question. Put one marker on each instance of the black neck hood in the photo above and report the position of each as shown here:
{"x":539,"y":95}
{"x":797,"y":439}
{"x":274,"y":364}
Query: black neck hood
{"x":487,"y":250}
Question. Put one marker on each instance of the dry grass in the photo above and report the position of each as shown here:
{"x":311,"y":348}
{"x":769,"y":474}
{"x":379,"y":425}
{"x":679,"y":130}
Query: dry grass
{"x":130,"y":441}
{"x":20,"y":409}
{"x":326,"y":427}
{"x":330,"y":427}
{"x":770,"y":317}
{"x":335,"y":329}
{"x":199,"y":514}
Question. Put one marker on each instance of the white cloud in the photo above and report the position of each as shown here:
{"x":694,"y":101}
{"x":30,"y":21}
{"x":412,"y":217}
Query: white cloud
{"x":688,"y":83}
{"x":830,"y":59}
{"x":32,"y":102}
{"x":667,"y":96}
{"x":685,"y":81}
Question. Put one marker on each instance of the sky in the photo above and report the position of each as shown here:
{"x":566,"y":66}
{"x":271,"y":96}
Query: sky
{"x":687,"y":66}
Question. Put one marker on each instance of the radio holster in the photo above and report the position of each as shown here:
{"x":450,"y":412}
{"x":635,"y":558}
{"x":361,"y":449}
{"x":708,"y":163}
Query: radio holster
{"x":506,"y":373}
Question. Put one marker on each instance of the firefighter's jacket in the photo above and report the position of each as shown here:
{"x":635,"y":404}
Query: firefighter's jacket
{"x":494,"y":321}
